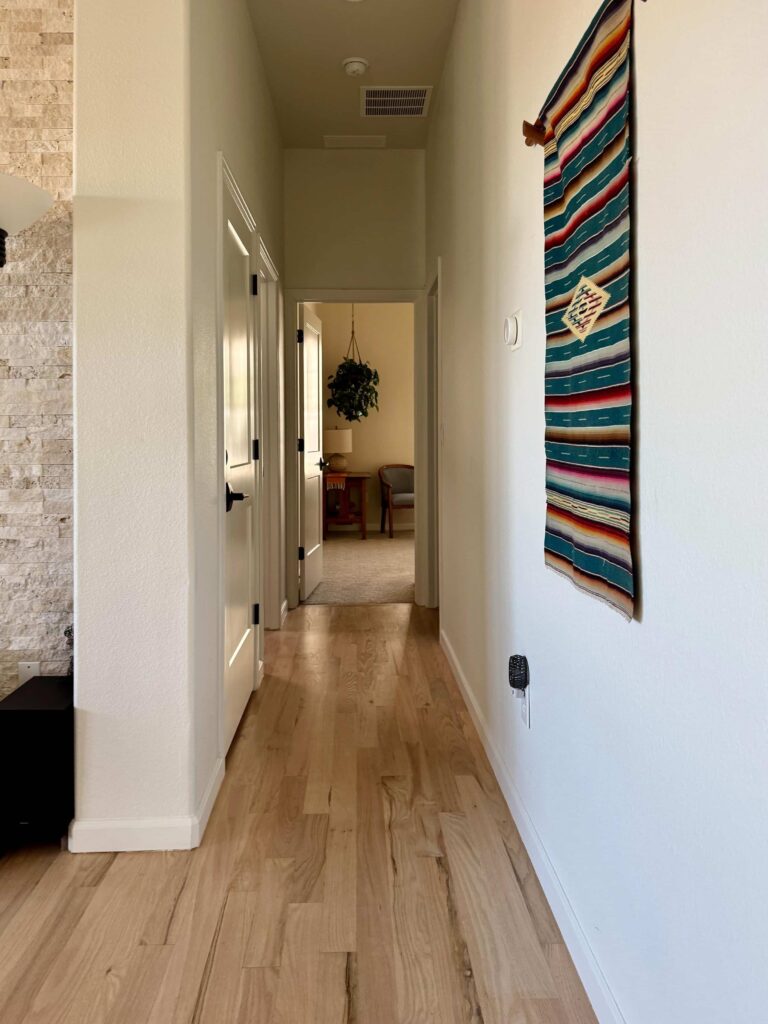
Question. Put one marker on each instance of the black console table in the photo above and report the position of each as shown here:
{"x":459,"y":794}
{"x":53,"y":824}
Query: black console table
{"x":37,"y":761}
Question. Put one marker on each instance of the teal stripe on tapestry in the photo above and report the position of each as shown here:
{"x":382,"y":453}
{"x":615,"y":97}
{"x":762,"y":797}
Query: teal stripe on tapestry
{"x":585,"y":256}
{"x":591,"y":228}
{"x":607,"y":94}
{"x":585,"y":195}
{"x":589,"y":265}
{"x":614,"y":501}
{"x":591,"y":456}
{"x":614,"y":416}
{"x":593,"y":150}
{"x":595,"y":565}
{"x":581,"y":382}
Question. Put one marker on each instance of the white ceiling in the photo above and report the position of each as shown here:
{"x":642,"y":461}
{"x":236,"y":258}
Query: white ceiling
{"x":303,"y":43}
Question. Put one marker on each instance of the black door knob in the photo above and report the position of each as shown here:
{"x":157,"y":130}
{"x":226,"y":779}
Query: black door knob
{"x":232,"y":496}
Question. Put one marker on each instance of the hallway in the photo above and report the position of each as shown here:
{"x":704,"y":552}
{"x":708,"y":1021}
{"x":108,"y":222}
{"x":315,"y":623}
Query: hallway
{"x":360,"y":865}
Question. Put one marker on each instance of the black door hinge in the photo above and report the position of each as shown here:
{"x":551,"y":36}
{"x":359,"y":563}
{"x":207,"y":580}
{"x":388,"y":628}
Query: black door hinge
{"x":301,"y":554}
{"x":300,"y":336}
{"x":255,"y":615}
{"x":300,"y":445}
{"x":254,"y":284}
{"x":255,"y":449}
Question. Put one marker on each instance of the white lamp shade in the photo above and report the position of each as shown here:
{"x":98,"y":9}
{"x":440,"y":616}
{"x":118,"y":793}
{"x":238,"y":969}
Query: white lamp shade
{"x":337,"y":442}
{"x":21,"y":203}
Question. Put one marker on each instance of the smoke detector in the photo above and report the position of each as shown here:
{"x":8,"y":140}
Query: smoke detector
{"x":355,"y":66}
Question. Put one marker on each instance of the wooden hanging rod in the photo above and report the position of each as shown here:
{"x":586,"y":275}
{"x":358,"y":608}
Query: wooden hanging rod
{"x":535,"y":134}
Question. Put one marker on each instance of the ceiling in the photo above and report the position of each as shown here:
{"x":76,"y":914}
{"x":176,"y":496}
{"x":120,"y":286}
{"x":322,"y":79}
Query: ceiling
{"x":303,"y":44}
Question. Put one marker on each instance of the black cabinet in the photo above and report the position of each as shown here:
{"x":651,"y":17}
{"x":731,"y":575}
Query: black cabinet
{"x":37,"y":761}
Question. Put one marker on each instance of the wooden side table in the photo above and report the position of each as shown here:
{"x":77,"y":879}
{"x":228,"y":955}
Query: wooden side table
{"x":345,"y":500}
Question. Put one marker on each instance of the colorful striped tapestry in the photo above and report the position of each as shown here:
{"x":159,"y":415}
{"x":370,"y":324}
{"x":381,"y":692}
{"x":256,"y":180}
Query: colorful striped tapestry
{"x":588,"y":389}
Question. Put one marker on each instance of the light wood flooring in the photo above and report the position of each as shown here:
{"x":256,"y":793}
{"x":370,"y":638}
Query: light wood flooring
{"x":360,"y":866}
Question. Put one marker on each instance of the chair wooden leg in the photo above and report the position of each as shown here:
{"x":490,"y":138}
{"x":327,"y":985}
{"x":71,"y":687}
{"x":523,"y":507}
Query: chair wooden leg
{"x":383,"y":518}
{"x":391,"y":529}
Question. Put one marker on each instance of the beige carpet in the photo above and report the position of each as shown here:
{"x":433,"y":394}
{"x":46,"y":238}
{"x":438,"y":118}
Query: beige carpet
{"x":373,"y":571}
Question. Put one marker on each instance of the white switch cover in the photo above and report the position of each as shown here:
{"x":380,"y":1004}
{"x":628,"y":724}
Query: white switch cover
{"x":28,"y":670}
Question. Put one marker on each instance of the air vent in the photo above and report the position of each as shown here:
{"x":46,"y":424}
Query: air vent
{"x":395,"y":101}
{"x":355,"y":141}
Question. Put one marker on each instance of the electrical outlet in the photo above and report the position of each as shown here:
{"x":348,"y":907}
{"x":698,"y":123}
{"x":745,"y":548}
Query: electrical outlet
{"x":28,"y":670}
{"x":525,"y":708}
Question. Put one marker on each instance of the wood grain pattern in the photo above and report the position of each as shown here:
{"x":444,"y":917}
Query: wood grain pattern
{"x":360,"y":866}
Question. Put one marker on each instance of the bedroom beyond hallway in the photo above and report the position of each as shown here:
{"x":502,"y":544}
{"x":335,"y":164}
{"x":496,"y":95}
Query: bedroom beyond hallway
{"x":367,"y":483}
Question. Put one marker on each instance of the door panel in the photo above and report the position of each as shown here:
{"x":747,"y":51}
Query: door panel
{"x":240,"y":550}
{"x":311,"y":413}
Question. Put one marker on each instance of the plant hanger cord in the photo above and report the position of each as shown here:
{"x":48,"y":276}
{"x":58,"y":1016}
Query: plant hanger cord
{"x":353,"y":350}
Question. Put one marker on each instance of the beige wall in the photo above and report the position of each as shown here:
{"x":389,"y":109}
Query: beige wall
{"x":160,"y":88}
{"x":133,"y":576}
{"x":354,"y":218}
{"x":35,"y":343}
{"x":641,"y":782}
{"x":385,"y":336}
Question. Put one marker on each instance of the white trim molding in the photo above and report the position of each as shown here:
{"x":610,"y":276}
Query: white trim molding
{"x":132,"y":835}
{"x":600,"y":995}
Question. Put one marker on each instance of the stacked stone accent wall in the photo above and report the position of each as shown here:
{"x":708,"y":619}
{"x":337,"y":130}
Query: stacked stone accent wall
{"x":35,"y":342}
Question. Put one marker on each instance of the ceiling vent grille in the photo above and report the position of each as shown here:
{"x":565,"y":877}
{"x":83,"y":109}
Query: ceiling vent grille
{"x":395,"y":101}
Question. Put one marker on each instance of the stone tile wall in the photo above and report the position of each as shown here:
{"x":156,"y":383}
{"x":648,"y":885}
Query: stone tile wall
{"x":35,"y":342}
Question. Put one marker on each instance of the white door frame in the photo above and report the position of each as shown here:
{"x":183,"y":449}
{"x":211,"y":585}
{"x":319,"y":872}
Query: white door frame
{"x":228,"y":184}
{"x":272,"y":442}
{"x":293,"y":297}
{"x":428,"y":441}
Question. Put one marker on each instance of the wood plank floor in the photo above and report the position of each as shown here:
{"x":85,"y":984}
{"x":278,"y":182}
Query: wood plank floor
{"x":360,"y":866}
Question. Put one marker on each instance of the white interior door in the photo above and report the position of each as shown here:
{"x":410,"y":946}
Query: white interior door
{"x":311,"y":495}
{"x":241,"y":480}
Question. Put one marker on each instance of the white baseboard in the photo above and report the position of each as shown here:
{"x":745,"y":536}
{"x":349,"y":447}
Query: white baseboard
{"x":120,"y":835}
{"x":603,"y":1002}
{"x":207,"y":802}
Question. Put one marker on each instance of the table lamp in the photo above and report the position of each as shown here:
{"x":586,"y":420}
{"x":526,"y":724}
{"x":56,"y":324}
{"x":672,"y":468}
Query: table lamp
{"x":21,"y":204}
{"x":339,"y":443}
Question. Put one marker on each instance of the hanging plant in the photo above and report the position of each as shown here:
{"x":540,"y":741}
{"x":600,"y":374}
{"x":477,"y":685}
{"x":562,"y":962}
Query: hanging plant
{"x":354,"y":386}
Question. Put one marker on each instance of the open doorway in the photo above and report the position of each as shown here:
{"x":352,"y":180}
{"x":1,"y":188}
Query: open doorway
{"x":357,"y":514}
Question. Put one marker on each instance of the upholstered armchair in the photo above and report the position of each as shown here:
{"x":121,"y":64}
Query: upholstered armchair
{"x":396,"y":491}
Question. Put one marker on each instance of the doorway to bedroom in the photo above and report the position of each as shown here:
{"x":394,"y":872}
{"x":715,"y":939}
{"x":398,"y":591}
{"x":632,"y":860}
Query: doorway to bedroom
{"x":357,"y":364}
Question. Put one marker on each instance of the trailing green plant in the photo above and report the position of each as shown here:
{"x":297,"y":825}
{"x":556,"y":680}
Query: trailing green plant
{"x":354,"y":386}
{"x":354,"y":389}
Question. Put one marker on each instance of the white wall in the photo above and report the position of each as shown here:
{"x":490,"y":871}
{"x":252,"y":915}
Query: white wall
{"x":354,"y":218}
{"x":644,"y":773}
{"x":132,"y":415}
{"x":384,"y":332}
{"x":232,"y":113}
{"x":160,"y":88}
